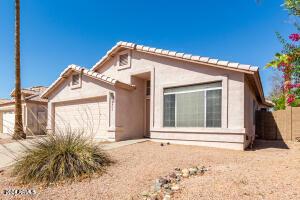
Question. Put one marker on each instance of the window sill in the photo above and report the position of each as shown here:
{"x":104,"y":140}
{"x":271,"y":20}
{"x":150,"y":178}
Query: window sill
{"x":123,"y":67}
{"x":198,"y":130}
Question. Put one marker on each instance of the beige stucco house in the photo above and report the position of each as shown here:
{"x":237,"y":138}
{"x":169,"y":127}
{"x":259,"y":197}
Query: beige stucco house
{"x":136,"y":91}
{"x":34,"y":110}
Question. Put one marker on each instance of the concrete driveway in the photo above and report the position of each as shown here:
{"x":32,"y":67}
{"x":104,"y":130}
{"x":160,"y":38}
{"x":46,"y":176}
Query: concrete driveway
{"x":9,"y":152}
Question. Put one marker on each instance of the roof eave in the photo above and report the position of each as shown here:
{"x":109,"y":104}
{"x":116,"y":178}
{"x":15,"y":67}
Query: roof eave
{"x":88,"y":73}
{"x":260,"y":90}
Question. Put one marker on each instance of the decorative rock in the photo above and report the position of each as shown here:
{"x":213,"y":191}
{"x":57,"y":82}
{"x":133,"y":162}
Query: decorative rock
{"x":173,"y":175}
{"x":167,"y":197}
{"x":163,"y":180}
{"x":169,"y":191}
{"x":185,"y":175}
{"x":185,"y":171}
{"x":154,"y":196}
{"x":157,"y":185}
{"x":193,"y":170}
{"x":166,"y":186}
{"x":177,"y":169}
{"x":175,"y":187}
{"x":178,"y":174}
{"x":178,"y":179}
{"x":202,"y":170}
{"x":145,"y":194}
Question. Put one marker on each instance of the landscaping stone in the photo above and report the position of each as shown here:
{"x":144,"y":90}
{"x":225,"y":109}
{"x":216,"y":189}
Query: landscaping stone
{"x":193,"y":171}
{"x":154,"y":196}
{"x":165,"y":186}
{"x":145,"y":194}
{"x":175,"y":187}
{"x":202,"y":170}
{"x":164,"y":180}
{"x":169,"y":191}
{"x":185,"y":175}
{"x":173,"y":175}
{"x":185,"y":171}
{"x":167,"y":197}
{"x":157,"y":185}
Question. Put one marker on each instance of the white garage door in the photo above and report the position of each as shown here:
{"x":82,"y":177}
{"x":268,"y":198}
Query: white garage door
{"x":8,"y":122}
{"x":88,"y":116}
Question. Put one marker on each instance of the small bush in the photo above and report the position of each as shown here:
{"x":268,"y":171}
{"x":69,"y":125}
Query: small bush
{"x":61,"y":157}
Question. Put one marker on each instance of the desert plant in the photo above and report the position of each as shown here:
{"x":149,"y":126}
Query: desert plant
{"x":61,"y":157}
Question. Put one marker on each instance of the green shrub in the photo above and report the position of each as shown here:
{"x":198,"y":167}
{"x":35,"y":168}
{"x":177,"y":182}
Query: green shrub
{"x":279,"y":103}
{"x":61,"y":157}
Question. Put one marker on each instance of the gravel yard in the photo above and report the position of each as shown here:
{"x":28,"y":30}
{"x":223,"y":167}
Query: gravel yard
{"x":266,"y":173}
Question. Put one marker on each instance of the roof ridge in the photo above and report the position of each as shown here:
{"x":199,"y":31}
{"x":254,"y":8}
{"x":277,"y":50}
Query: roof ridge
{"x":87,"y":72}
{"x":175,"y":54}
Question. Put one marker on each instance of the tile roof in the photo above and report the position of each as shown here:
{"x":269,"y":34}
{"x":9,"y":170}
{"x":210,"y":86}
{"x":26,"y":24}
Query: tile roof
{"x":174,"y":54}
{"x":32,"y":94}
{"x":36,"y":90}
{"x":89,"y":73}
{"x":4,"y":100}
{"x":249,"y":69}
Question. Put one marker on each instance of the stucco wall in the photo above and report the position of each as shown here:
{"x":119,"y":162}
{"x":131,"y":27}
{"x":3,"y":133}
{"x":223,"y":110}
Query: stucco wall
{"x":167,"y":72}
{"x":33,"y":108}
{"x":90,"y":88}
{"x":250,"y":98}
{"x":130,"y":111}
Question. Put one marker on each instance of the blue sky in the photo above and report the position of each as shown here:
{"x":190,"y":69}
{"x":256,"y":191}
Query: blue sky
{"x":57,"y":33}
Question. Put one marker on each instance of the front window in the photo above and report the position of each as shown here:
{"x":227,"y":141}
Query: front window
{"x":193,"y":106}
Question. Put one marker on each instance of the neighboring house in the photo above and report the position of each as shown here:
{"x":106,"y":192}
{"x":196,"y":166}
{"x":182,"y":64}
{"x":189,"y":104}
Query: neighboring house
{"x":34,"y":110}
{"x":136,"y":91}
{"x":4,"y":100}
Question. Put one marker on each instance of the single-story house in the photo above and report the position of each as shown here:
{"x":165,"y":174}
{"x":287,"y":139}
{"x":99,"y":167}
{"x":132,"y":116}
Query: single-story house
{"x":137,"y":91}
{"x":34,"y":110}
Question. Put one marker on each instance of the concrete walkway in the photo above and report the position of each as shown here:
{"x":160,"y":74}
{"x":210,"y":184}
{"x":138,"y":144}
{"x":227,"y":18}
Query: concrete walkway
{"x":9,"y":152}
{"x":115,"y":145}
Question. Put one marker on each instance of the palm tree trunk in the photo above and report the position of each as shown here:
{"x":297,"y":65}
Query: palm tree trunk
{"x":18,"y":129}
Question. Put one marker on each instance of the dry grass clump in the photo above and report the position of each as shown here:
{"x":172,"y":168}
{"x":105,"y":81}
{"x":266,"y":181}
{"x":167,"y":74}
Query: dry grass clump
{"x":61,"y":157}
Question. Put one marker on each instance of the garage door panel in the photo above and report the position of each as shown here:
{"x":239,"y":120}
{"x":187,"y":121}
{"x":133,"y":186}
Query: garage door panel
{"x":89,"y":116}
{"x":8,"y":122}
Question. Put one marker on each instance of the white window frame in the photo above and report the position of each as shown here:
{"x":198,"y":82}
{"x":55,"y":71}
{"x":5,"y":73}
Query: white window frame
{"x":129,"y":60}
{"x":191,"y":91}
